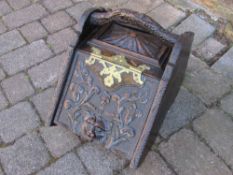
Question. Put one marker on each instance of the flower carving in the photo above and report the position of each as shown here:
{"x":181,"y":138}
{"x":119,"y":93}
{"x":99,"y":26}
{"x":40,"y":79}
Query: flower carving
{"x":91,"y":120}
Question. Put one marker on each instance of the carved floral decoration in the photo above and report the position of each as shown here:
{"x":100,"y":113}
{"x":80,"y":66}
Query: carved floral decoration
{"x":94,"y":122}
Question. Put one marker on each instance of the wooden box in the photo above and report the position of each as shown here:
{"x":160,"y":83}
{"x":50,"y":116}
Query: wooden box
{"x":120,"y":80}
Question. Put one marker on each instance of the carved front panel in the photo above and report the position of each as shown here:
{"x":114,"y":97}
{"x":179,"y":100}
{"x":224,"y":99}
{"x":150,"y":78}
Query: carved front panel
{"x":115,"y":115}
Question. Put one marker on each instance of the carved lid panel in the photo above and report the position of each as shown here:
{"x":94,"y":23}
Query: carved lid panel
{"x":114,"y":116}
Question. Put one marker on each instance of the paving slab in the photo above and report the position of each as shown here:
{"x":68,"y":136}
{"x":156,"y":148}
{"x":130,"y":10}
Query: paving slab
{"x":57,"y":21}
{"x":43,"y":102}
{"x":67,"y":165}
{"x":217,"y":129}
{"x":185,"y":108}
{"x":207,"y":85}
{"x":76,"y":1}
{"x":1,"y":173}
{"x":201,"y":28}
{"x":225,"y":64}
{"x":33,"y":31}
{"x":3,"y":101}
{"x":147,"y":6}
{"x":54,"y":5}
{"x":100,"y":161}
{"x":24,"y":57}
{"x":16,"y":121}
{"x":195,"y":65}
{"x":110,"y":3}
{"x":166,"y":20}
{"x":17,"y":87}
{"x":2,"y":74}
{"x":153,"y":165}
{"x":187,"y":5}
{"x":18,"y":4}
{"x":61,"y":40}
{"x":10,"y":40}
{"x":59,"y":140}
{"x":77,"y":10}
{"x":188,"y":155}
{"x":24,"y":16}
{"x":26,"y":156}
{"x":209,"y":49}
{"x":2,"y":27}
{"x":4,"y":8}
{"x":46,"y":73}
{"x":227,"y":104}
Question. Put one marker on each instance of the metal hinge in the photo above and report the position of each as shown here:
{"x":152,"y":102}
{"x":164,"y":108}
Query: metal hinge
{"x":114,"y":67}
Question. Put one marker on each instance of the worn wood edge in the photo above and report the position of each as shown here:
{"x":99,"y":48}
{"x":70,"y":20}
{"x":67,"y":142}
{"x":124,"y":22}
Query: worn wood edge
{"x":150,"y":120}
{"x":154,"y":116}
{"x":134,"y":18}
{"x":65,"y":68}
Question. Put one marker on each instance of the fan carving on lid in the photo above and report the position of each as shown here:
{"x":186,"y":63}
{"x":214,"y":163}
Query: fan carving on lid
{"x":135,"y":41}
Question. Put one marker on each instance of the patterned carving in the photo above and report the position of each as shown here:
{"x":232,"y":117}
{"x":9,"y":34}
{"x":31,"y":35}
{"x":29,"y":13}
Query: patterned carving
{"x":135,"y":41}
{"x":94,"y":121}
{"x":134,"y":18}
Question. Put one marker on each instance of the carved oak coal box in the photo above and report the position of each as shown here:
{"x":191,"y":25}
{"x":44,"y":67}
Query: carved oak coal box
{"x":120,"y":80}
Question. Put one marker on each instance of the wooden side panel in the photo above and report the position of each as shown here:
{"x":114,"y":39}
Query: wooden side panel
{"x":167,"y":91}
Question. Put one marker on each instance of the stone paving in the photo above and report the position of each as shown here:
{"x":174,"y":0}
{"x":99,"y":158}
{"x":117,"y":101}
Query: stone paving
{"x":197,"y":134}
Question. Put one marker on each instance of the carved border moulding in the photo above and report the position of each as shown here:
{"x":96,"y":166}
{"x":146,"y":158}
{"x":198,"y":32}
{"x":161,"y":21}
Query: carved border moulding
{"x":120,"y":80}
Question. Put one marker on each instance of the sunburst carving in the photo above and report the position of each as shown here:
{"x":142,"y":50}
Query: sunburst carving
{"x":135,"y":41}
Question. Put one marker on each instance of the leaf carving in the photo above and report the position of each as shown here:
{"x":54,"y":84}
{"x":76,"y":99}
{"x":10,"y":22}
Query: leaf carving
{"x":92,"y":121}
